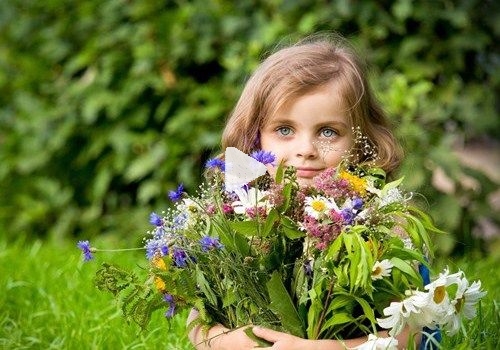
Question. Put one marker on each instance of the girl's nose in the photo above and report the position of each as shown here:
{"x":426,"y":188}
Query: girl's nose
{"x":305,"y":148}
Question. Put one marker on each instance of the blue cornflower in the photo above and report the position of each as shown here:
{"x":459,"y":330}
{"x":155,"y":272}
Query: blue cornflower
{"x":208,"y":243}
{"x":263,"y":156}
{"x":169,"y":298}
{"x":179,"y":221}
{"x":216,"y":163}
{"x":151,"y":249}
{"x":159,"y":232}
{"x":347,"y":215}
{"x":84,"y":246}
{"x":180,"y":257}
{"x":155,"y":219}
{"x":156,"y":247}
{"x":308,"y":267}
{"x":177,"y":194}
{"x":357,"y":203}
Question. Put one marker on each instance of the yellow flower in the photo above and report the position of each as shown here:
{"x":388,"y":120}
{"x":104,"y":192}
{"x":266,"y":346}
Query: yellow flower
{"x":357,"y":183}
{"x":159,"y":284}
{"x":159,"y":263}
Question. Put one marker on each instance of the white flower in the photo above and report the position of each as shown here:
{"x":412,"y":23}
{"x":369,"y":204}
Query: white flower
{"x":370,"y":187}
{"x":464,"y":303}
{"x":317,"y":206}
{"x":407,"y":311}
{"x":381,"y":269}
{"x":251,"y":199}
{"x":392,"y":196}
{"x":469,"y":299}
{"x":375,"y":343}
{"x":445,"y":279}
{"x":440,"y":306}
{"x":191,"y":212}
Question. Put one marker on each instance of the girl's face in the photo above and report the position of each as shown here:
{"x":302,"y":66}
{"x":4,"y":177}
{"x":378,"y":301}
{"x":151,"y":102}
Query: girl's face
{"x":312,"y":133}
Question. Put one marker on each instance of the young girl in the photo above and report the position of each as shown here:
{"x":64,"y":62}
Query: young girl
{"x":302,"y":104}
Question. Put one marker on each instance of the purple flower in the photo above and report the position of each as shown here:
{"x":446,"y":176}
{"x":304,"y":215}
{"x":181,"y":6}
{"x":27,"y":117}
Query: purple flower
{"x":308,"y":267}
{"x":215,"y":163}
{"x":347,"y":215}
{"x":154,"y":248}
{"x":180,"y":257}
{"x":84,"y":246}
{"x":179,"y":221}
{"x":357,"y":203}
{"x":209,"y":243}
{"x":169,"y":298}
{"x":263,"y":157}
{"x":177,"y":194}
{"x":155,"y":219}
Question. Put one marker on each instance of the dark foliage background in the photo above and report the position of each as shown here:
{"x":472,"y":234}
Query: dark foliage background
{"x":106,"y":105}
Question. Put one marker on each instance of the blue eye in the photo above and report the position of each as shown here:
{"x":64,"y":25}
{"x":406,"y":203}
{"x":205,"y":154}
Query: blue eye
{"x":328,"y":132}
{"x":284,"y":130}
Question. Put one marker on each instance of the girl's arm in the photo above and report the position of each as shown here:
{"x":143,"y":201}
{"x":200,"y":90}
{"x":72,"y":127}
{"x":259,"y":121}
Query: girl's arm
{"x":222,"y":338}
{"x":284,"y":341}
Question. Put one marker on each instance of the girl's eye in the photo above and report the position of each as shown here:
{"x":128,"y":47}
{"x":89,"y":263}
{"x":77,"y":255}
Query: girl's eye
{"x":284,"y":130}
{"x":328,"y":132}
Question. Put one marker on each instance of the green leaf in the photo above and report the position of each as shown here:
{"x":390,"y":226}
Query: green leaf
{"x":367,"y":309}
{"x":283,"y":306}
{"x":246,"y":228}
{"x":205,"y":286}
{"x":271,"y":219}
{"x":405,"y":267}
{"x":336,"y":319}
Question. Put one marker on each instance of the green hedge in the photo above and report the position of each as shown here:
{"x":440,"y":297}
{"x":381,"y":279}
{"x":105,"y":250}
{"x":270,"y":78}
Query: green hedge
{"x":106,"y":105}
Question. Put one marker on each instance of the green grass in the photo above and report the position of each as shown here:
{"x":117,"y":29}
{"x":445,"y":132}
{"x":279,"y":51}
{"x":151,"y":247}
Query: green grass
{"x":48,"y":301}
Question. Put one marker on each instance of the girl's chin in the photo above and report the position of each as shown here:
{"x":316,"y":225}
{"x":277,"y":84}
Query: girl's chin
{"x":305,"y":181}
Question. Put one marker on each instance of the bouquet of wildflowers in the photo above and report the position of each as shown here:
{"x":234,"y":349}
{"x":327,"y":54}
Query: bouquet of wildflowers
{"x":337,"y":259}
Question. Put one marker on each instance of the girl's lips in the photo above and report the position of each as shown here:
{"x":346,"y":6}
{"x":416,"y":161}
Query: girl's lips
{"x":305,"y":172}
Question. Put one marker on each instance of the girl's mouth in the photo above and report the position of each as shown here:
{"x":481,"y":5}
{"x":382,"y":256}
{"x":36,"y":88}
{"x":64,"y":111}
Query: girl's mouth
{"x":308,"y":172}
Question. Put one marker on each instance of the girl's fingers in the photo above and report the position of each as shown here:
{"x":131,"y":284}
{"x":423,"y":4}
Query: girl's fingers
{"x":267,"y":334}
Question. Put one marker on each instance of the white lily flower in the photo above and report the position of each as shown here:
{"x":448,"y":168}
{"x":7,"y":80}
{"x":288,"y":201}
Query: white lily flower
{"x":464,"y":304}
{"x":407,"y":311}
{"x":469,"y":299}
{"x":375,"y":343}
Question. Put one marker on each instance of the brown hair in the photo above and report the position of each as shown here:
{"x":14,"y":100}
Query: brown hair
{"x":296,"y":70}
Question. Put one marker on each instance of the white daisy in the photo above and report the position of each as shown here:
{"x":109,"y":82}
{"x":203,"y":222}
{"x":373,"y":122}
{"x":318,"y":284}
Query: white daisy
{"x":381,"y":269}
{"x":250,"y":199}
{"x":318,"y":206}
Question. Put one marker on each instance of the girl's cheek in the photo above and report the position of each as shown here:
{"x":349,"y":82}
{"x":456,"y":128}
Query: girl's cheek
{"x":271,"y":169}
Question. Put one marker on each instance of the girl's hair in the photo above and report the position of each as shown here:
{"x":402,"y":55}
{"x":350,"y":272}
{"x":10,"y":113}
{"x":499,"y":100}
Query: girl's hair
{"x":297,"y":70}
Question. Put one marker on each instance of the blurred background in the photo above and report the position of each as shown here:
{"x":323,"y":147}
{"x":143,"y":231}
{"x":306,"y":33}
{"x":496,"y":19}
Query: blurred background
{"x":107,"y":105}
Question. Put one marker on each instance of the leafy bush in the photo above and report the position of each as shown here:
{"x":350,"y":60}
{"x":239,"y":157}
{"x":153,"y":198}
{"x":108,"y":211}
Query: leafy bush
{"x":105,"y":105}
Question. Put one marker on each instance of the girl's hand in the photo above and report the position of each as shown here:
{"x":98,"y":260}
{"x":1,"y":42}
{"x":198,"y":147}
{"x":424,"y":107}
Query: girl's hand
{"x":281,"y":340}
{"x":219,"y":337}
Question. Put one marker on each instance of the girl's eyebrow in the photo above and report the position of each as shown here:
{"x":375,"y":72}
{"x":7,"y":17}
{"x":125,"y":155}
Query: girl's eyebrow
{"x":338,"y":123}
{"x":286,"y":121}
